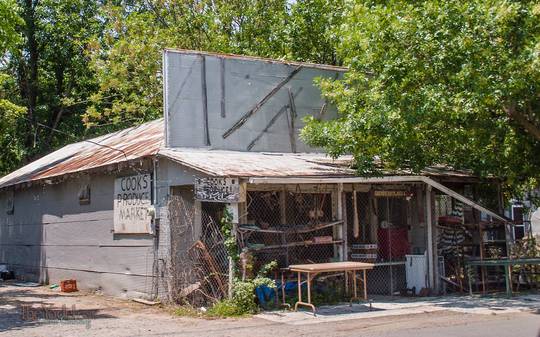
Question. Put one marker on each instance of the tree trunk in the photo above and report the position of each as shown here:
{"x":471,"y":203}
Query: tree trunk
{"x":32,"y":73}
{"x":522,"y":120}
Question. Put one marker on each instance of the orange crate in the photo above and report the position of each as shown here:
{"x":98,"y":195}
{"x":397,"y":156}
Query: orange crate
{"x":68,"y":286}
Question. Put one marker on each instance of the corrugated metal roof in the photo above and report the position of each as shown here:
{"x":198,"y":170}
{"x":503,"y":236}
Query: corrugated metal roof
{"x":132,"y":143}
{"x":147,"y":139}
{"x":263,"y":164}
{"x":259,"y":164}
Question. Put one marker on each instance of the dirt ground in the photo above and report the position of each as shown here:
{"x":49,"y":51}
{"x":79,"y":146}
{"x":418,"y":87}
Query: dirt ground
{"x":37,"y":311}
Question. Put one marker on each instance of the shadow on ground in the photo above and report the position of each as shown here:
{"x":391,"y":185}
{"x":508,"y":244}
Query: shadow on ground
{"x":21,"y":308}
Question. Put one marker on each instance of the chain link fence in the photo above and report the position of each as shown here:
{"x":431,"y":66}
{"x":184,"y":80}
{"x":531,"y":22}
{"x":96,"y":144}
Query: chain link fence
{"x":383,"y":225}
{"x":198,"y":272}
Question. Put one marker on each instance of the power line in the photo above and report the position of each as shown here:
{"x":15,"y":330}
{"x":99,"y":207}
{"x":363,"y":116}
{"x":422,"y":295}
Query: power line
{"x":76,"y":138}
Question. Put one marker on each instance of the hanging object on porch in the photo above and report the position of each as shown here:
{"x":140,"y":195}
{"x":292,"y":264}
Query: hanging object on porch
{"x":317,"y":212}
{"x":356,"y":223}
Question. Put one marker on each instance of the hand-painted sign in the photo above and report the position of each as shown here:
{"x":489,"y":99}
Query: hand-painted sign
{"x":219,"y":190}
{"x":392,"y":193}
{"x":132,"y":200}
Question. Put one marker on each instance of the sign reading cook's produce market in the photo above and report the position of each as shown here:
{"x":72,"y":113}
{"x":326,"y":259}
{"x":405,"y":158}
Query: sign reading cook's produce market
{"x":132,"y":198}
{"x":219,"y":190}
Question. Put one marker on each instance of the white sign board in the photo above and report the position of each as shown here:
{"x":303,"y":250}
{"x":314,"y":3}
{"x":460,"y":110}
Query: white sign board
{"x":219,"y":190}
{"x":132,"y":199}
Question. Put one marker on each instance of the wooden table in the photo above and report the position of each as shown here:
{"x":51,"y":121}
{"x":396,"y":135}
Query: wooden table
{"x":312,"y":270}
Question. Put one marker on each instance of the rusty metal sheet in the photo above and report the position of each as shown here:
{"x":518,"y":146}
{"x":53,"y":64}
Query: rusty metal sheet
{"x":125,"y":145}
{"x":259,"y":164}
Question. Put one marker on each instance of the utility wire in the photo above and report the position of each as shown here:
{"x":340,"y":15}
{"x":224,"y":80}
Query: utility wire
{"x":76,"y":138}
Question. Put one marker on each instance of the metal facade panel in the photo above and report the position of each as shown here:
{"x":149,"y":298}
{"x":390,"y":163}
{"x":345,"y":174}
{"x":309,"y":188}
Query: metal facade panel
{"x":246,"y":82}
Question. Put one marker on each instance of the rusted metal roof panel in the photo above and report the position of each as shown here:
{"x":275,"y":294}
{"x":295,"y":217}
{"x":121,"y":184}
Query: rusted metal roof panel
{"x":146,"y":140}
{"x":259,"y":164}
{"x":125,"y":145}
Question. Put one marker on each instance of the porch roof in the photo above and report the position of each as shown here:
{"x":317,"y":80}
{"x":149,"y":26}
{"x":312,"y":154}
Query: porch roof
{"x":277,"y":165}
{"x":260,"y":164}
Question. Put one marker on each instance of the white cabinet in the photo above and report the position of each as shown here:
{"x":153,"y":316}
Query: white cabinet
{"x":416,"y":272}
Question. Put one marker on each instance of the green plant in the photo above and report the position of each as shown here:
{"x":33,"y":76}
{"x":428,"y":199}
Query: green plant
{"x":227,"y":229}
{"x":186,"y":311}
{"x":226,"y":308}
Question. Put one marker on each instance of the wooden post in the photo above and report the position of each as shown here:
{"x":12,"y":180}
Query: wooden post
{"x":339,"y":230}
{"x":356,"y":221}
{"x":429,"y":224}
{"x":345,"y":226}
{"x":234,"y":209}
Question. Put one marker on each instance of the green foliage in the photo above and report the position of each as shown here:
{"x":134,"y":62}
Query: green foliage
{"x":227,"y":229}
{"x":437,"y":82}
{"x":243,"y":300}
{"x":44,"y":69}
{"x":186,"y":311}
{"x":311,"y":30}
{"x":127,"y":56}
{"x":9,"y":20}
{"x":89,"y":67}
{"x":10,"y":142}
{"x":226,"y":308}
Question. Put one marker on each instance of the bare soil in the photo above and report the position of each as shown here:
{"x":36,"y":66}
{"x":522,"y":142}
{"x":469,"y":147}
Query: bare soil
{"x":36,"y":311}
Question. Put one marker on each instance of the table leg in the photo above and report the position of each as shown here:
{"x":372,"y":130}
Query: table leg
{"x":300,"y":302}
{"x":355,"y":288}
{"x":355,"y":285}
{"x":309,"y":288}
{"x":347,"y":282}
{"x":299,"y":288}
{"x":283,"y":303}
{"x":364,"y":281}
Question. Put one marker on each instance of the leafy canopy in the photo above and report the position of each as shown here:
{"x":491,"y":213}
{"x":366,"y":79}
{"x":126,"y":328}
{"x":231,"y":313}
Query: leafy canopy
{"x":438,"y":82}
{"x":126,"y":58}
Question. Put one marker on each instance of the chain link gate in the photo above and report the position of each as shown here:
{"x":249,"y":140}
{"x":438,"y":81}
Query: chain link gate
{"x":198,"y":272}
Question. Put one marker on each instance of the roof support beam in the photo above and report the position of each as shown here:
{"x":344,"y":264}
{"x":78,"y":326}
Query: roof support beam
{"x":381,"y":180}
{"x":257,"y":106}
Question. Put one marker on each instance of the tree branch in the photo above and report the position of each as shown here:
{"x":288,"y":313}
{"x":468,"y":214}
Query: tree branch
{"x":522,"y":120}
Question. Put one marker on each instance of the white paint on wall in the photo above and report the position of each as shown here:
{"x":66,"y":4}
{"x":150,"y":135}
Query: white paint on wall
{"x":132,"y":203}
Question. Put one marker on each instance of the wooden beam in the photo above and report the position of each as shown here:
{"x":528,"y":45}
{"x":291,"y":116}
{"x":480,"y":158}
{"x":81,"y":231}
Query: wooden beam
{"x":380,"y":180}
{"x":293,"y":115}
{"x":205,"y":101}
{"x":272,"y":121}
{"x":268,"y":126}
{"x":257,"y":106}
{"x":222,"y":78}
{"x":429,"y":225}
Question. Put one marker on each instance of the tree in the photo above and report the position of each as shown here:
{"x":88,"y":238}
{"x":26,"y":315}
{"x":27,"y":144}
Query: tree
{"x":10,"y":112}
{"x":312,"y":31}
{"x":9,"y":19}
{"x":438,"y":82}
{"x":127,"y":57}
{"x":46,"y":71}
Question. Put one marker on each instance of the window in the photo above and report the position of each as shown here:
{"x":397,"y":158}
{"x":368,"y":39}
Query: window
{"x":84,"y":195}
{"x":519,"y":225}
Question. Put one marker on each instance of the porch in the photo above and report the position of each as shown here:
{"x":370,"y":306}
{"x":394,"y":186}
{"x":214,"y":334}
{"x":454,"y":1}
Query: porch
{"x":294,"y":209}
